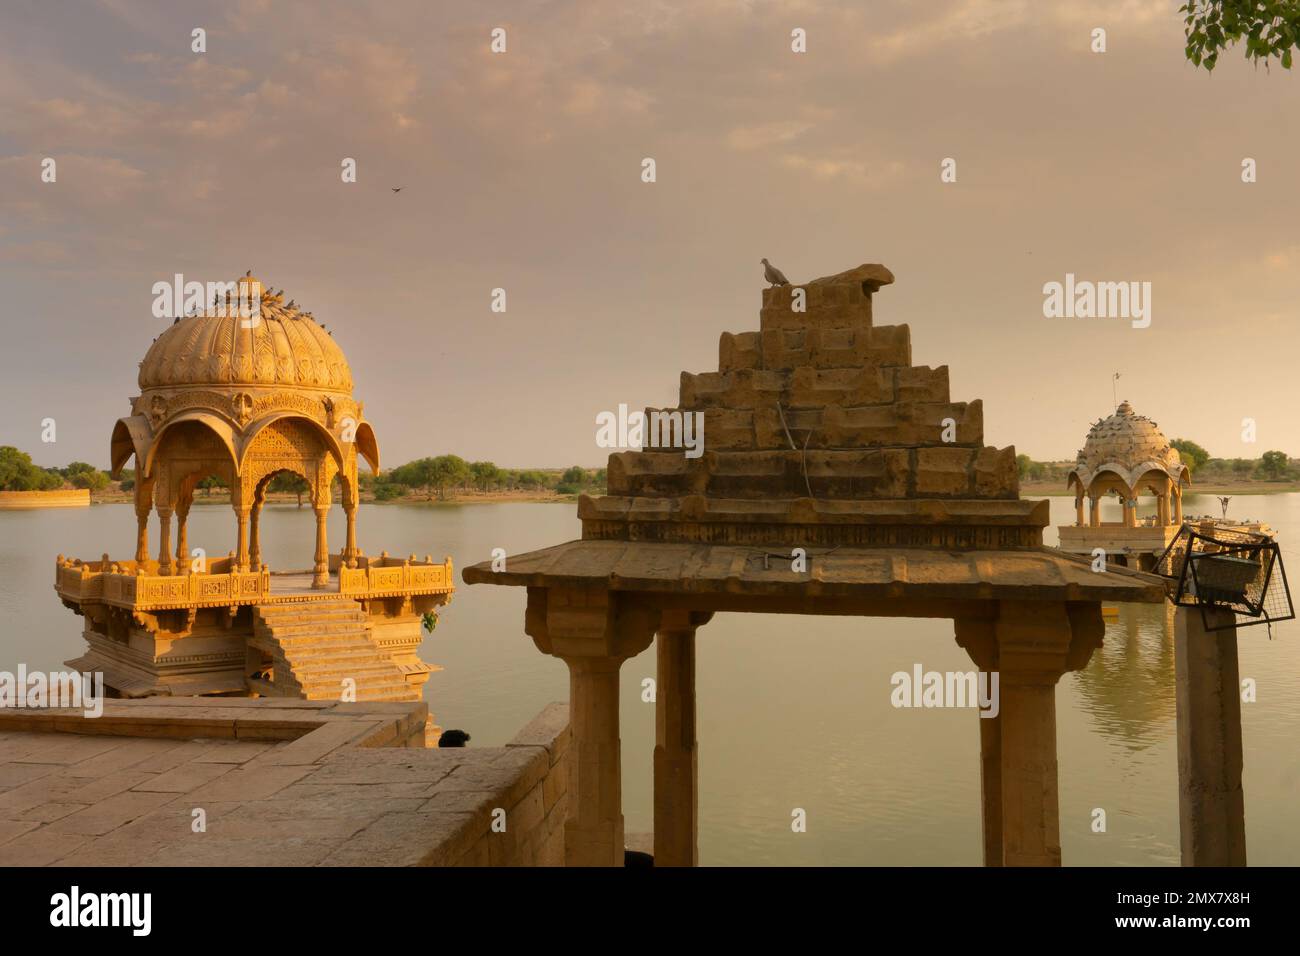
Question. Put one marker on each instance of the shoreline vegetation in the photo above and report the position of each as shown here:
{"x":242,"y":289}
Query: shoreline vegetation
{"x":449,"y":479}
{"x":446,"y":479}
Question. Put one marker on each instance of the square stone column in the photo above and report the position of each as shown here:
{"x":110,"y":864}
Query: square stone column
{"x":676,"y":760}
{"x":1038,"y":641}
{"x":593,"y":632}
{"x":1211,"y":803}
{"x":979,"y":638}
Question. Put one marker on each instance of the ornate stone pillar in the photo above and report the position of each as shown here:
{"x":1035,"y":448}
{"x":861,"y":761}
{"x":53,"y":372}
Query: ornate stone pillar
{"x":143,"y":506}
{"x":321,"y":571}
{"x":164,"y":540}
{"x":1211,"y":803}
{"x":350,"y":546}
{"x":1078,"y":511}
{"x":162,"y":501}
{"x":979,"y":638}
{"x":676,"y":759}
{"x":254,"y":533}
{"x":1094,"y":511}
{"x":593,"y":632}
{"x":241,"y":541}
{"x":1178,"y":506}
{"x":182,"y":540}
{"x":1038,"y":641}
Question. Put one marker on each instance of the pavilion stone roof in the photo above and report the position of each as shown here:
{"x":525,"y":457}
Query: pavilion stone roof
{"x":818,"y":429}
{"x":922,"y":574}
{"x":820,"y":433}
{"x":1128,"y":445}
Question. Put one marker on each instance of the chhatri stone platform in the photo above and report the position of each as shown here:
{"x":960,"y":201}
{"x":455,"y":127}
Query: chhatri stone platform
{"x":836,"y":478}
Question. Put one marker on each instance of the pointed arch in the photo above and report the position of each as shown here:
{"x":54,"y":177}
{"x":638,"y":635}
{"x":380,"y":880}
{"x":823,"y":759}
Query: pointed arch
{"x":213,"y":423}
{"x":368,"y":446}
{"x":249,"y":437}
{"x":131,"y":436}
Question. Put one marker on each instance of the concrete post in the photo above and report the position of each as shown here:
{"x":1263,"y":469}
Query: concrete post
{"x":1211,"y":804}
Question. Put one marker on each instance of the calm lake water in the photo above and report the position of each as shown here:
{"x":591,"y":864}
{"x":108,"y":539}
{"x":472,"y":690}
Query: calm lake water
{"x":793,"y":711}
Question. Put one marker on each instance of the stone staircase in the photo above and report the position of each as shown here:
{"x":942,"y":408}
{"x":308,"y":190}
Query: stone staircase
{"x":316,"y":645}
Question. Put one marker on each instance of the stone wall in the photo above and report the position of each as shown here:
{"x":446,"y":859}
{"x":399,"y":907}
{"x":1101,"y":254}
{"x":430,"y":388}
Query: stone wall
{"x":62,"y":498}
{"x":533,"y":792}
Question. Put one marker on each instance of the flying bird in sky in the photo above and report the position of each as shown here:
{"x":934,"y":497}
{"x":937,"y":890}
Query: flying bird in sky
{"x":772,"y":274}
{"x":396,"y":189}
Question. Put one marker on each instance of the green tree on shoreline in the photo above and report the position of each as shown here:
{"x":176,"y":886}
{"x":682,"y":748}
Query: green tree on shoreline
{"x":19,"y":473}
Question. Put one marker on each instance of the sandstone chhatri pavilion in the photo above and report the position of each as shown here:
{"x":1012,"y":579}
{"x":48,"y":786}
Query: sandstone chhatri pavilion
{"x":1127,"y":455}
{"x":246,"y":399}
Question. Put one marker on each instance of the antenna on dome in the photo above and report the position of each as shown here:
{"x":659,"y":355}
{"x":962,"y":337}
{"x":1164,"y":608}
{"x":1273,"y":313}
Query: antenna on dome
{"x":1114,"y":393}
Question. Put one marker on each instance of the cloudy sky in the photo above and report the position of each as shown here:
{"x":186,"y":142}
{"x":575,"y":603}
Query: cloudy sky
{"x":522,"y":170}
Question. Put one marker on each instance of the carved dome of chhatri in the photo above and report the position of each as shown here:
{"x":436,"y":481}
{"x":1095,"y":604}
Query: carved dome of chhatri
{"x":1129,"y":445}
{"x":287,"y":348}
{"x":237,"y":374}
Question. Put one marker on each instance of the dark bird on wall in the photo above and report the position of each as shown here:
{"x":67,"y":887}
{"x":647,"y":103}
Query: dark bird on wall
{"x":453,"y":738}
{"x":772,"y":274}
{"x":1223,"y":503}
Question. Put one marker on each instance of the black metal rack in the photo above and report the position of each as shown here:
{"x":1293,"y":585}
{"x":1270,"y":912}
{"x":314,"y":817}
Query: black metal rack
{"x":1230,"y":568}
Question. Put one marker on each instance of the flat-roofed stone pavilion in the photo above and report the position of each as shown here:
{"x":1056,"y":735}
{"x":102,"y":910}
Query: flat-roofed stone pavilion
{"x":837,"y":478}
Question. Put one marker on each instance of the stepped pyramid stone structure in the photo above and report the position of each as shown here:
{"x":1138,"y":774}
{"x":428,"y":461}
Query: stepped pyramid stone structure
{"x":245,"y":389}
{"x":819,"y":430}
{"x":836,"y":478}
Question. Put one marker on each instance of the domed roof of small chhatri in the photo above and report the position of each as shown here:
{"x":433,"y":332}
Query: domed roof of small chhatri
{"x":282,"y":347}
{"x":1130,"y":444}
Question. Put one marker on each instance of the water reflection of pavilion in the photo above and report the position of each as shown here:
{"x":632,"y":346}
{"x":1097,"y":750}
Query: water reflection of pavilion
{"x":1128,"y":687}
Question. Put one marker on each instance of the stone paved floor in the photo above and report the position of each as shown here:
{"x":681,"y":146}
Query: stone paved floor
{"x":344,"y":791}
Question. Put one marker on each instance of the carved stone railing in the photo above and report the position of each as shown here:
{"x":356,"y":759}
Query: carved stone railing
{"x":142,"y":588}
{"x":385,"y":576}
